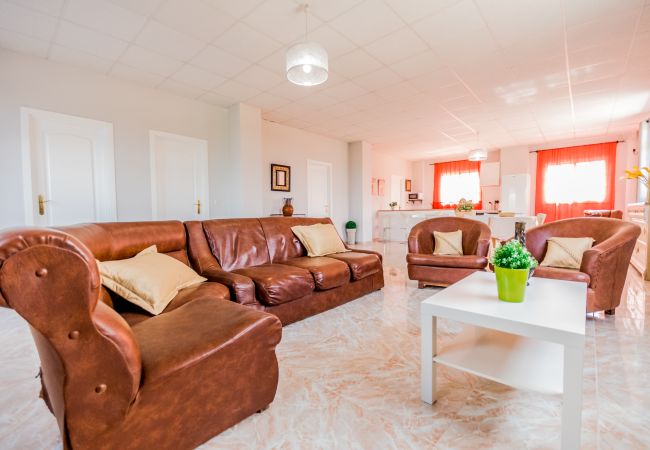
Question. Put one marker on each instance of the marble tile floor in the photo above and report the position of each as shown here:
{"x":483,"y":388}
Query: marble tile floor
{"x":349,"y":379}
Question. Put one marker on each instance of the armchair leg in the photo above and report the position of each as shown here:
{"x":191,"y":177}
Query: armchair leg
{"x":421,"y":285}
{"x":263,"y":409}
{"x":610,"y":312}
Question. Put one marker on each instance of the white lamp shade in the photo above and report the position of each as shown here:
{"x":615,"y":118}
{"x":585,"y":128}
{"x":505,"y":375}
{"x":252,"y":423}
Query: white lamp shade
{"x":307,"y":64}
{"x":480,"y":154}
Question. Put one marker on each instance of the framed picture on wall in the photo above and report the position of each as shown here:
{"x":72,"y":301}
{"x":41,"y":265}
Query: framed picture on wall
{"x":407,"y":185}
{"x":381,"y":187}
{"x":373,"y":187}
{"x":280,"y":178}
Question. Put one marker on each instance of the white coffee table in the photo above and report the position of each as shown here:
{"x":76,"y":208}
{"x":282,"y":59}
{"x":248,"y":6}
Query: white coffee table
{"x":537,"y":344}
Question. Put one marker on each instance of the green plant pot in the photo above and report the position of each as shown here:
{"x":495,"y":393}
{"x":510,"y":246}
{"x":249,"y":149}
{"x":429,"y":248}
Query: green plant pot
{"x":511,"y":284}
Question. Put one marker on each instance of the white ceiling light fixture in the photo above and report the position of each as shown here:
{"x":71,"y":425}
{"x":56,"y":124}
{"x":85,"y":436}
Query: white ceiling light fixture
{"x":307,"y":63}
{"x":480,"y":154}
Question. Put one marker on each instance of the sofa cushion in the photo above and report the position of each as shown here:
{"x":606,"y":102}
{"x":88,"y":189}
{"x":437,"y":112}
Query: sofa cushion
{"x":361,"y":265}
{"x":208,"y":290}
{"x":196,"y":331}
{"x":459,"y":262}
{"x":276,"y":283}
{"x":562,"y":274}
{"x":328,"y":273}
{"x":237,"y":243}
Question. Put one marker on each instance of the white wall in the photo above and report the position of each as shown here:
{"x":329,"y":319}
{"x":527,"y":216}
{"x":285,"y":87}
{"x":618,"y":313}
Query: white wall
{"x":360,"y":188}
{"x":133,"y":110}
{"x":384,"y":166}
{"x":293,"y":147}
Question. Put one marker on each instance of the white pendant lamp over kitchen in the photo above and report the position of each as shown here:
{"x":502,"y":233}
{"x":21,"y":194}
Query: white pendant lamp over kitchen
{"x":307,"y":62}
{"x":478,"y":154}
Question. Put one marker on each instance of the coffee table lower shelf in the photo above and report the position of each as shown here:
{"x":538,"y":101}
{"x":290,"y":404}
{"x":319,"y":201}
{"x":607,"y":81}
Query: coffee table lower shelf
{"x":517,"y":361}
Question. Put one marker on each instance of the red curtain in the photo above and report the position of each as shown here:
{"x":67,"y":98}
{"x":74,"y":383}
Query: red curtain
{"x":454,"y":168}
{"x":573,"y":155}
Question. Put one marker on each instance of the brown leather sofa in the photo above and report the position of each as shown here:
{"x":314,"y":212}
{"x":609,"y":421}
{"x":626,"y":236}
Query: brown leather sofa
{"x":438,"y":270}
{"x":112,"y":375}
{"x":265,"y":266}
{"x":604,"y":267}
{"x":611,"y":213}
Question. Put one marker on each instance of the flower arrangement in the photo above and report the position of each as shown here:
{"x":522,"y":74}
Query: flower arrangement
{"x":392,"y":205}
{"x":465,"y":205}
{"x":641,"y":175}
{"x":513,"y":255}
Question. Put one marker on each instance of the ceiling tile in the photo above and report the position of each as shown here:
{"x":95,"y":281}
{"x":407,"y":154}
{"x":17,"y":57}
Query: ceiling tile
{"x":199,"y":78}
{"x":355,"y":63}
{"x":247,"y":43}
{"x":267,"y":101}
{"x":367,"y":22}
{"x":398,"y":91}
{"x":283,"y":20}
{"x":163,"y":39}
{"x":618,"y":26}
{"x":328,"y":10}
{"x":334,"y":42}
{"x":136,"y":75}
{"x":51,"y":7}
{"x":80,"y":38}
{"x":147,"y":60}
{"x":233,"y":89}
{"x":201,"y":20}
{"x":26,"y":21}
{"x":220,"y":62}
{"x":580,"y":11}
{"x":292,"y":91}
{"x":144,"y":7}
{"x":181,"y":89}
{"x":79,"y":58}
{"x":345,"y":91}
{"x":396,"y":46}
{"x":23,"y":44}
{"x":417,"y":65}
{"x":412,"y":10}
{"x":259,"y":78}
{"x":105,"y":17}
{"x":238,"y":8}
{"x":378,"y":79}
{"x":217,"y":100}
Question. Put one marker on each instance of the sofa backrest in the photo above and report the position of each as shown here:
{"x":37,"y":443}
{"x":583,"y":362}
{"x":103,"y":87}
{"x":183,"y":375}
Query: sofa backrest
{"x":421,"y":235}
{"x":237,"y":243}
{"x":121,"y":240}
{"x":281,"y":241}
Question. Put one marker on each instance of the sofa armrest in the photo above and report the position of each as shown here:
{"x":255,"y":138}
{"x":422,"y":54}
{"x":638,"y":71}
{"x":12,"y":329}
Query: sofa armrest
{"x":242,"y":289}
{"x":483,"y":247}
{"x":369,"y":252}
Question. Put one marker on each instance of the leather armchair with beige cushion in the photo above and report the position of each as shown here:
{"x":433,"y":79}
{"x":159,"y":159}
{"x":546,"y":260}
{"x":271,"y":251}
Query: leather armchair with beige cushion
{"x":603,"y":267}
{"x":266,"y":267}
{"x":443,"y":270}
{"x":115,"y":376}
{"x":611,"y":213}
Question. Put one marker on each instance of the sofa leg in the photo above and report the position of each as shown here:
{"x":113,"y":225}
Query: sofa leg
{"x":259,"y":411}
{"x":610,"y":312}
{"x":421,"y":285}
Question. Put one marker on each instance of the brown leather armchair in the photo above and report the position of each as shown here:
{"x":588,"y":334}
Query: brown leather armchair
{"x":132,"y":382}
{"x":604,"y":267}
{"x":435,"y":270}
{"x":611,"y":213}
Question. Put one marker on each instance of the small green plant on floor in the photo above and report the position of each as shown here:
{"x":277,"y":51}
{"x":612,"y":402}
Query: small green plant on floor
{"x":350,"y":225}
{"x":513,"y":255}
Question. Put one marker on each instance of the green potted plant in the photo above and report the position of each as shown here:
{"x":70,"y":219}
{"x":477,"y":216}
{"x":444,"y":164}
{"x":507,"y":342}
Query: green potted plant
{"x":465,"y":208}
{"x":512,"y":264}
{"x":392,"y":205}
{"x":351,"y":231}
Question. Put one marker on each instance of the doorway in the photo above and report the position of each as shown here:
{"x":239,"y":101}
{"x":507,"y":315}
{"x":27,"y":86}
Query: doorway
{"x":319,"y":189}
{"x":68,"y":169}
{"x":179,"y":177}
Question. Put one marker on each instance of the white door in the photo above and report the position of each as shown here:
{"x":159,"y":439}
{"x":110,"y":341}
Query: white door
{"x":68,"y":169}
{"x":319,"y":189}
{"x":179,"y":177}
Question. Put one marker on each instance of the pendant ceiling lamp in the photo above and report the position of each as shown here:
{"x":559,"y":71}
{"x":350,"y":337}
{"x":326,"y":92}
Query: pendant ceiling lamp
{"x":478,"y":154}
{"x":307,"y":62}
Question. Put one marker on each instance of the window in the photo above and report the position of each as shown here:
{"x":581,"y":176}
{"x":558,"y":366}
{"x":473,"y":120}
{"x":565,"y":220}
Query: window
{"x":455,"y":180}
{"x":576,"y":183}
{"x":572,"y":179}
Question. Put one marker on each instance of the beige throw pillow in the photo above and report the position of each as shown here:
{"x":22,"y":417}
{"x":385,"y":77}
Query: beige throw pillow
{"x":450,"y":243}
{"x":150,"y":279}
{"x":320,"y":239}
{"x":566,"y":252}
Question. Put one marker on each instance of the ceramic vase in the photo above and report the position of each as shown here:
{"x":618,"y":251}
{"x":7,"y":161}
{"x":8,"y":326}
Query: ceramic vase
{"x":287,"y":209}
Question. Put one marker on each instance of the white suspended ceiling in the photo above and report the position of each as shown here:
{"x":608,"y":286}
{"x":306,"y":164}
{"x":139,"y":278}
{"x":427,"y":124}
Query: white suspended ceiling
{"x":417,"y":78}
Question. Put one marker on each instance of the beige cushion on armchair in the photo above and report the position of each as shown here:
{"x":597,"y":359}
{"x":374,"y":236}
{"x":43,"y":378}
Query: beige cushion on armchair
{"x":450,"y":243}
{"x":566,"y":252}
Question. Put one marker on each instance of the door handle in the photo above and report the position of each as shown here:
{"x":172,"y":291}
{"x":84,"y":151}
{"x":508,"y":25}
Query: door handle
{"x":41,"y":205}
{"x":198,"y":206}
